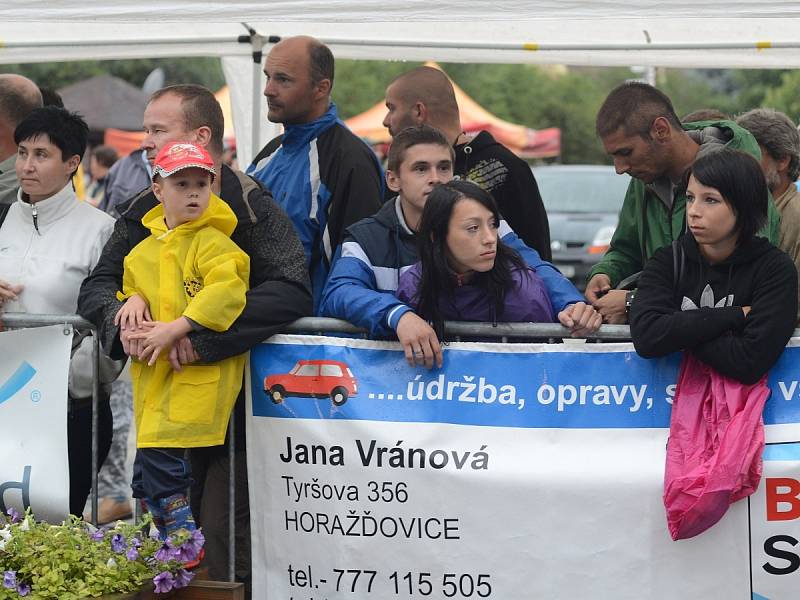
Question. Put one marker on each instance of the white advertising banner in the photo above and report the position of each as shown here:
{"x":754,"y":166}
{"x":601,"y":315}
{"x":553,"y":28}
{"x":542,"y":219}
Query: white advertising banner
{"x":34,"y":365}
{"x":517,"y":471}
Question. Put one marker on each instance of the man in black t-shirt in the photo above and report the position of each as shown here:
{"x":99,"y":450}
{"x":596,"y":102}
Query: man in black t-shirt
{"x":425,"y":95}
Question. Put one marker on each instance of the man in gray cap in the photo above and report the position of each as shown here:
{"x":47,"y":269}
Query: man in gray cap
{"x":18,"y":97}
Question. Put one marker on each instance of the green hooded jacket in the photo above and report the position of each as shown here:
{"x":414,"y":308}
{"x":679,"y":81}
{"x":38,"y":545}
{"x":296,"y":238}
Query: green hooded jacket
{"x":646,"y":220}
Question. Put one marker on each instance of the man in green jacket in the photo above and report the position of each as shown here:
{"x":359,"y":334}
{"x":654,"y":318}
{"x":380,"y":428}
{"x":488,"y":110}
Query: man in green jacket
{"x":640,"y":130}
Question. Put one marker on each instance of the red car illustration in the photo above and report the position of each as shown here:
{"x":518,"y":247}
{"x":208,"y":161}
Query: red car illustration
{"x":314,"y":378}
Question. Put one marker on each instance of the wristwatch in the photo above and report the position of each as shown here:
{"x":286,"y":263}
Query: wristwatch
{"x":629,"y":296}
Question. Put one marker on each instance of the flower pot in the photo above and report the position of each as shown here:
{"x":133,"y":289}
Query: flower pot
{"x":146,"y":593}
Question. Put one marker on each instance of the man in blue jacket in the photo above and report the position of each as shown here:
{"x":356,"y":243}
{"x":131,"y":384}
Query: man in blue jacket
{"x":378,"y":249}
{"x":322,"y":175}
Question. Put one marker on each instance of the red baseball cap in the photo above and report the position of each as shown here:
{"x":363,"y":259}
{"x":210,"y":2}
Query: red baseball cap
{"x":177,"y":156}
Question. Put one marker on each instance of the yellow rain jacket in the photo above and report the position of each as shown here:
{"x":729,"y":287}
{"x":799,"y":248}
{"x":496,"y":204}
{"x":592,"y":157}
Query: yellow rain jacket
{"x":194,"y":270}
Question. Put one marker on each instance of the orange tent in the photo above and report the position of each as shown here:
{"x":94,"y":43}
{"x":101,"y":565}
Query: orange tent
{"x":223,"y":96}
{"x":124,"y":142}
{"x":521,"y":140}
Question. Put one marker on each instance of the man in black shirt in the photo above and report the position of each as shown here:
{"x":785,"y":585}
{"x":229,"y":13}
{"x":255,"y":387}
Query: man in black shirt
{"x":425,"y":95}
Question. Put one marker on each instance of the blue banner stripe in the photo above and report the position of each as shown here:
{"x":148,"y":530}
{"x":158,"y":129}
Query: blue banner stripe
{"x":782,"y":452}
{"x":17,"y":381}
{"x":574,"y":390}
{"x":759,"y":597}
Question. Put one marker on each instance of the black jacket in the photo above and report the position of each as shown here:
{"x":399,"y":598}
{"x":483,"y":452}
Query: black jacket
{"x":510,"y":181}
{"x":279,"y":287}
{"x":684,"y":303}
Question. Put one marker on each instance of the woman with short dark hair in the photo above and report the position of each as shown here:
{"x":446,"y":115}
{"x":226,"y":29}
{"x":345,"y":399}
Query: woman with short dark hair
{"x":50,"y":243}
{"x":719,"y":292}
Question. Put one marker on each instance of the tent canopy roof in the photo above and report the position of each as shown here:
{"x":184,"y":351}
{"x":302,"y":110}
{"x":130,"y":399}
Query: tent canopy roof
{"x":586,"y":32}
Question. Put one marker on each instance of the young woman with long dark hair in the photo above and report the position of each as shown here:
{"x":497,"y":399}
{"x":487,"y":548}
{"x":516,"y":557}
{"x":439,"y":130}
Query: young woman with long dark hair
{"x":466,"y":273}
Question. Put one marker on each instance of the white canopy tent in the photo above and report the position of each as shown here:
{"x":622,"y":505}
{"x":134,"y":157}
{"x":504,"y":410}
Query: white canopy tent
{"x":677,"y":33}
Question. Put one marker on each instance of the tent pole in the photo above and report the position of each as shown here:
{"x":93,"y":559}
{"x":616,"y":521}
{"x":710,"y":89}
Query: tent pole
{"x":257,"y":42}
{"x":255,"y":140}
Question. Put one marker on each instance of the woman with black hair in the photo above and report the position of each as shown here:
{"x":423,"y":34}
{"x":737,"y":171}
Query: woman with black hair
{"x":720,"y":292}
{"x":466,"y":273}
{"x":728,"y":299}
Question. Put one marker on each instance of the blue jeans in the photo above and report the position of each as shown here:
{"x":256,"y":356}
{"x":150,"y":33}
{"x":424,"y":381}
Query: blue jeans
{"x":160,"y":472}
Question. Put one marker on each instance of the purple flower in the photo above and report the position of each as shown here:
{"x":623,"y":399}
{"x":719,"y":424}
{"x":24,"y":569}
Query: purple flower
{"x":197,"y":540}
{"x":98,"y":535}
{"x":118,"y":544}
{"x":154,"y":533}
{"x":14,"y":514}
{"x":23,"y":589}
{"x":182,"y":578}
{"x":9,"y":580}
{"x":136,"y":542}
{"x":165,"y":553}
{"x":132,"y":553}
{"x":164,"y":582}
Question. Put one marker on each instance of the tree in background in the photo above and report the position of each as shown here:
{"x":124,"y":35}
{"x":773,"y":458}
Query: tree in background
{"x":203,"y":71}
{"x":531,"y":95}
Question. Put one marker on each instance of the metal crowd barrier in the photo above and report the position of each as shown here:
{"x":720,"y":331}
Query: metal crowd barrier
{"x":318,"y":326}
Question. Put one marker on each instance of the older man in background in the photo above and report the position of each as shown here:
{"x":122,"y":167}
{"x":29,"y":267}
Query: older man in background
{"x":18,"y":97}
{"x":779,"y":140}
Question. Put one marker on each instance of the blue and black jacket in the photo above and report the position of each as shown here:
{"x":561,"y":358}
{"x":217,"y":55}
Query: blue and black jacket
{"x":377,"y":250}
{"x":326,"y":179}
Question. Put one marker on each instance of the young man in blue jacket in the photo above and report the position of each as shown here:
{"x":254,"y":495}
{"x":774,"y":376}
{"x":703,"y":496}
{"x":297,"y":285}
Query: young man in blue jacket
{"x":376,"y":250}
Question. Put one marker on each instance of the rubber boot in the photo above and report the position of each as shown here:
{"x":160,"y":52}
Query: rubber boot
{"x":177,"y":513}
{"x":158,"y":517}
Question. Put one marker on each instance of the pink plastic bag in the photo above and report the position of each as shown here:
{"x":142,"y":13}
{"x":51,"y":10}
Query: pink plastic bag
{"x":715,"y":447}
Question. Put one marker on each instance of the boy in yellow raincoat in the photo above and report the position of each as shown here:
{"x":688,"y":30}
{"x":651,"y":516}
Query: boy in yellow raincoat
{"x":187,"y":274}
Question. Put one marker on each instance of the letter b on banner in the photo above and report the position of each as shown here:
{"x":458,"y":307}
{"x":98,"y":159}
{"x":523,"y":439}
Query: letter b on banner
{"x":775,"y":525}
{"x":783,"y":498}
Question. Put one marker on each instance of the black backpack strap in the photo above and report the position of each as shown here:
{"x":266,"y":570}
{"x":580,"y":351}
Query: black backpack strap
{"x":678,"y":264}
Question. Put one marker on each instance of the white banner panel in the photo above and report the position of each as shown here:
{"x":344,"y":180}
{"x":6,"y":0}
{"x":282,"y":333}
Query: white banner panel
{"x":34,"y":365}
{"x":517,"y":471}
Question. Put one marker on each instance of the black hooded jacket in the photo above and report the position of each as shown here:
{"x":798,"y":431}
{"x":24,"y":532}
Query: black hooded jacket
{"x":510,"y":181}
{"x":684,"y":303}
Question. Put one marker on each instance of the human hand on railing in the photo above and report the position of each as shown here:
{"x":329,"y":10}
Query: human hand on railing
{"x":612,"y":307}
{"x":133,"y":313}
{"x":182,"y":353}
{"x":597,"y":287}
{"x":419,"y":341}
{"x":8,"y":291}
{"x":581,"y":319}
{"x":158,"y":335}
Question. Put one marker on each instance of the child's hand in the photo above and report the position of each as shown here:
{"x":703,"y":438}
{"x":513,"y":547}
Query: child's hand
{"x":159,"y":336}
{"x":133,"y":313}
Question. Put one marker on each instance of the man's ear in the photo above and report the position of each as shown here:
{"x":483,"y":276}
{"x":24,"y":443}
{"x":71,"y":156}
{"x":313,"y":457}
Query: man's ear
{"x":419,"y":112}
{"x":323,"y":88}
{"x":202,"y":136}
{"x":782,"y":165}
{"x":393,"y":181}
{"x":661,"y":130}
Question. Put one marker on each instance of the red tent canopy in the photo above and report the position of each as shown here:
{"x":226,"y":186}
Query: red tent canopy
{"x":522,"y":141}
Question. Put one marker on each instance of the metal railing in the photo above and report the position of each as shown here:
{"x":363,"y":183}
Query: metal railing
{"x":317,"y":326}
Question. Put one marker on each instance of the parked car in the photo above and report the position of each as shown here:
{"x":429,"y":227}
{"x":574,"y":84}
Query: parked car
{"x":582,"y":203}
{"x":315,"y":379}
